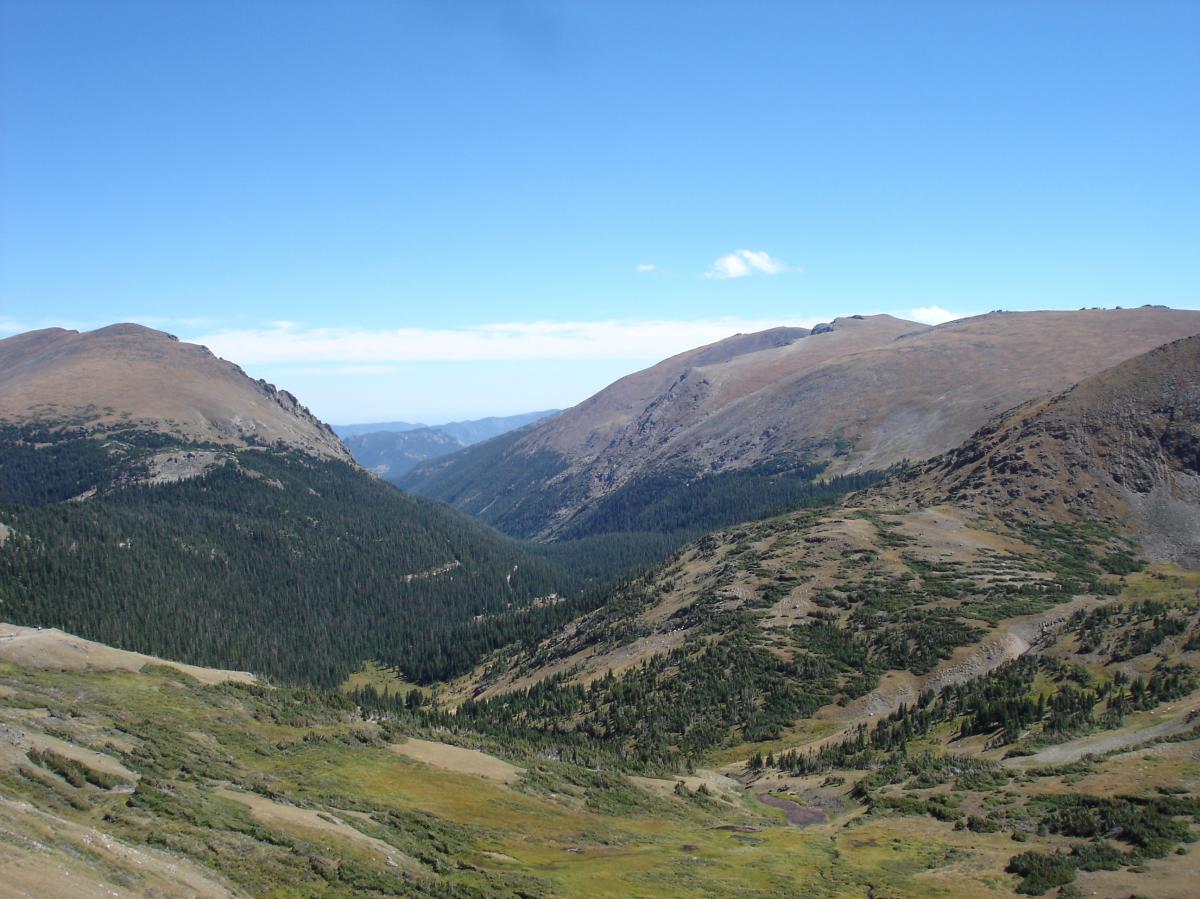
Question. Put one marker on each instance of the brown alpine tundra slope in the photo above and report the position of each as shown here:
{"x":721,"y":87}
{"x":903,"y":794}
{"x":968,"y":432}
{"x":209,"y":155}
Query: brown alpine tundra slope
{"x":117,"y":375}
{"x":861,"y":392}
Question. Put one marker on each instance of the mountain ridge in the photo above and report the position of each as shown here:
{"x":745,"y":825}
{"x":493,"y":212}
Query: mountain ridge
{"x":115,"y":377}
{"x":1121,"y":447}
{"x":1027,"y":514}
{"x":862,"y":394}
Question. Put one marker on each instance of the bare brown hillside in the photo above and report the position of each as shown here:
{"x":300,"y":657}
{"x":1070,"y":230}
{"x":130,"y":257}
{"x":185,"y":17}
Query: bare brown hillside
{"x":131,"y":374}
{"x":862,"y":392}
{"x":1122,"y":446}
{"x":653,"y":412}
{"x":927,"y":391}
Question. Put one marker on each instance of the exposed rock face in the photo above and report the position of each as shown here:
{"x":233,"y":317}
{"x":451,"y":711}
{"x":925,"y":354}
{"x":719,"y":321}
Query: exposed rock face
{"x":130,"y":374}
{"x":864,"y":392}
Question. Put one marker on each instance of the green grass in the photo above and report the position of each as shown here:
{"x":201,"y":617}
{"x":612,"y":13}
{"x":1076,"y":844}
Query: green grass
{"x":561,"y":830}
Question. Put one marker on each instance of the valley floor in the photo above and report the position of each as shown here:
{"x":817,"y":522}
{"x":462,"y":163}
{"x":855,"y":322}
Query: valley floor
{"x":123,"y":775}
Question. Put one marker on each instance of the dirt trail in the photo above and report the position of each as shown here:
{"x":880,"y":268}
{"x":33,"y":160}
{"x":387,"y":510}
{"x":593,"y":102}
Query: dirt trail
{"x":1008,"y":642}
{"x":16,"y":741}
{"x":1112,"y":741}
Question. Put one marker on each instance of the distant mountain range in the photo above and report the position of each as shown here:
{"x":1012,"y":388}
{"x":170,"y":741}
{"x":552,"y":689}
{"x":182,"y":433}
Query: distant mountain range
{"x":465,"y":432}
{"x":390,"y":449}
{"x":345,"y":431}
{"x":390,"y":454}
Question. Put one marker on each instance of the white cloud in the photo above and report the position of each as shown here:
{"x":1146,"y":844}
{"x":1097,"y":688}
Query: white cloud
{"x":743,"y":263}
{"x":287,"y":343}
{"x":932,"y":315}
{"x":644,"y":267}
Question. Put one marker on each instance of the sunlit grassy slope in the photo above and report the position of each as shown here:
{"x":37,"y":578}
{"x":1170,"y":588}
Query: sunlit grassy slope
{"x":139,"y":781}
{"x":153,"y":781}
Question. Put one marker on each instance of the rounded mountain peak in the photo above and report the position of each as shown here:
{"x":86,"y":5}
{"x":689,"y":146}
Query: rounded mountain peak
{"x":131,"y":375}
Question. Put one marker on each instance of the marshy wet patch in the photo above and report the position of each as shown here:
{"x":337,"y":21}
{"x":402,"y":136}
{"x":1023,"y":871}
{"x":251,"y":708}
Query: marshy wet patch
{"x":797,"y":814}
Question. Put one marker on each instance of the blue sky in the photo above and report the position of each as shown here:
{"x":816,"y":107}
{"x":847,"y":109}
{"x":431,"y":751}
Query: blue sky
{"x":432,"y":210}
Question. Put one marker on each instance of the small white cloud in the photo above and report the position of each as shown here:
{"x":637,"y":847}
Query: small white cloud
{"x":932,"y":315}
{"x":644,"y":267}
{"x":743,"y":263}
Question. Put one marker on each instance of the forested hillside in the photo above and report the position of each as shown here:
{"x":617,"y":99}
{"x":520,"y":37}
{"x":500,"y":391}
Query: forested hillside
{"x":641,"y":522}
{"x":173,"y":505}
{"x":275,"y":562}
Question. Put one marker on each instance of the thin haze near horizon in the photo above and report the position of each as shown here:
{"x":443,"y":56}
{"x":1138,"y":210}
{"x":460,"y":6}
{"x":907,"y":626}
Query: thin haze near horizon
{"x":431,"y":211}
